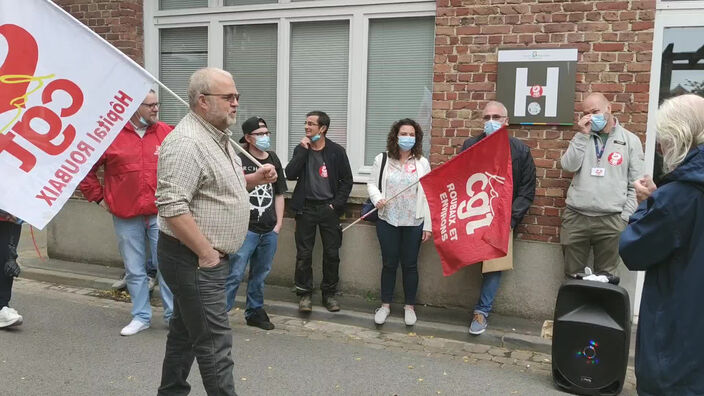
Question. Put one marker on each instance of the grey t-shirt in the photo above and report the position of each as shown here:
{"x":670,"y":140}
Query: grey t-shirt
{"x":317,"y":183}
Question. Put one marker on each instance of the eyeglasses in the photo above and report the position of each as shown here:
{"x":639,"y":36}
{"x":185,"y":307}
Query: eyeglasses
{"x":261,"y":134}
{"x":495,"y":117}
{"x":308,"y":123}
{"x":151,"y":105}
{"x":228,"y":97}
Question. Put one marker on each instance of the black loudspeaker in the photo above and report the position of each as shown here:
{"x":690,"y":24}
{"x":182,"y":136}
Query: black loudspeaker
{"x":591,"y":337}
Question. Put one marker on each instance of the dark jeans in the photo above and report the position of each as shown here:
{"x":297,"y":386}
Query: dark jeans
{"x":8,"y":232}
{"x":317,"y":214}
{"x":199,"y":327}
{"x":399,"y":244}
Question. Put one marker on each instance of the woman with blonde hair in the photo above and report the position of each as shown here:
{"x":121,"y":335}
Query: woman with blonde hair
{"x":665,"y":238}
{"x":404,"y":222}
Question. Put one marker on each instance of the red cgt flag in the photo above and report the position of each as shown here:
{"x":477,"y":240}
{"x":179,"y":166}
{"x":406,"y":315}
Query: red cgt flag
{"x":470,"y":203}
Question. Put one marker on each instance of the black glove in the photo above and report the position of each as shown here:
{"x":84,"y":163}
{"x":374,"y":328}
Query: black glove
{"x":12,"y":269}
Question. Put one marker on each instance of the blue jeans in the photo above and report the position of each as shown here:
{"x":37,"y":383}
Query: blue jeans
{"x":490,"y":285}
{"x":131,"y":238}
{"x":258,"y":250}
{"x":399,"y":245}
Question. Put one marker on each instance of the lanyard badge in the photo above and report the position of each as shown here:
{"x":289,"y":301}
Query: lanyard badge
{"x":597,"y":170}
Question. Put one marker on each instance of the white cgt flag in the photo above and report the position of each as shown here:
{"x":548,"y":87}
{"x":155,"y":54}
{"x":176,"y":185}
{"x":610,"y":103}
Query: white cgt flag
{"x":65,"y":94}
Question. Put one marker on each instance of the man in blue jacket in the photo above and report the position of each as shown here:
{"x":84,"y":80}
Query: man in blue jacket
{"x":496,"y":116}
{"x":324,"y":181}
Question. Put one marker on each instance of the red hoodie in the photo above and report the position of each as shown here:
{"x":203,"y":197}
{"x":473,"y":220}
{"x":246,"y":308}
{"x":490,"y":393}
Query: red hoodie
{"x":130,"y":172}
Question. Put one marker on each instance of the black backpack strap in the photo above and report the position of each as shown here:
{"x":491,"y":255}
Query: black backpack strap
{"x":381,"y":171}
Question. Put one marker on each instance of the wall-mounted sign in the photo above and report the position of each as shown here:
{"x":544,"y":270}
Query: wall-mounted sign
{"x":537,"y":85}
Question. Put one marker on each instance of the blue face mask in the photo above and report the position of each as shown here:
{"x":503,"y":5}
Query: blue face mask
{"x":492,"y":126}
{"x":406,"y":142}
{"x":598,"y":122}
{"x":262,"y":142}
{"x":315,"y":138}
{"x":143,"y":121}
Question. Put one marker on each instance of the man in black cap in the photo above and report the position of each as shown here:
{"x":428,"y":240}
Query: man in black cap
{"x":266,"y":203}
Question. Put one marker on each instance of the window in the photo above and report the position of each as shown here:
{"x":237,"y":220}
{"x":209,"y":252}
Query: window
{"x":247,"y":2}
{"x":366,"y":64}
{"x":399,"y":78}
{"x":319,"y":65}
{"x":182,"y":51}
{"x":682,"y":69}
{"x":250,"y":55}
{"x":178,"y":4}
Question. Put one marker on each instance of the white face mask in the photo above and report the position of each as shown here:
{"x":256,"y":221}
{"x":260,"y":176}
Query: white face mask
{"x":406,"y":142}
{"x":598,"y":122}
{"x":263,"y":142}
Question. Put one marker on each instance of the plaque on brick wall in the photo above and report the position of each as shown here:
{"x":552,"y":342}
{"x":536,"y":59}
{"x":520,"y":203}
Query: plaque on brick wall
{"x":537,"y":86}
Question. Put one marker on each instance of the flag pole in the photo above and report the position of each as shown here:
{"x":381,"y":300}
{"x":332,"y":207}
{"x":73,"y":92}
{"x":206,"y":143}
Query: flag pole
{"x":145,"y":71}
{"x":373,"y":210}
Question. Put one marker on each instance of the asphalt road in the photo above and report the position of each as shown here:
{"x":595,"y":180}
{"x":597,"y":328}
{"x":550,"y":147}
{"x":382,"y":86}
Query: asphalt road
{"x":70,"y":345}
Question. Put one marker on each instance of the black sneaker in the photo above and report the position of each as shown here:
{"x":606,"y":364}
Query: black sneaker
{"x":305,"y":305}
{"x":331,"y":304}
{"x":260,"y":319}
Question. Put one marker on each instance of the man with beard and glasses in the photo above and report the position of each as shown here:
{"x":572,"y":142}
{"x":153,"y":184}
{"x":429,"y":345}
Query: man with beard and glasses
{"x":203,"y":217}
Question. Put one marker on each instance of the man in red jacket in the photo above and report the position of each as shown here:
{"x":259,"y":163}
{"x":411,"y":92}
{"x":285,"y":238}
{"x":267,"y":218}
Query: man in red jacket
{"x":128,"y":194}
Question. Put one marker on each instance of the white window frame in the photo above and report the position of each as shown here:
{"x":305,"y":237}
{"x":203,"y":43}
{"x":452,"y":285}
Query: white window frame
{"x":357,"y":12}
{"x":668,"y":14}
{"x":678,"y":5}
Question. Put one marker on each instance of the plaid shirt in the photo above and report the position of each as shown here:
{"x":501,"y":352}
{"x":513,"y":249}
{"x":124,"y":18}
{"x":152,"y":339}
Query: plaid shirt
{"x":199,"y":173}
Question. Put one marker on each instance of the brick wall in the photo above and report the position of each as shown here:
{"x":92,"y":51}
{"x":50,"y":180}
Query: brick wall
{"x":120,"y":22}
{"x":614,"y":39}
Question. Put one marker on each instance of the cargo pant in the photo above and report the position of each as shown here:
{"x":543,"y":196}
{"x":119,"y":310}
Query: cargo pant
{"x":580,"y":233}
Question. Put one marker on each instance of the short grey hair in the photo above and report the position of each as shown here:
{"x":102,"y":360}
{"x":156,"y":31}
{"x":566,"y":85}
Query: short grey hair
{"x":680,"y":128}
{"x":200,"y":83}
{"x":499,"y":105}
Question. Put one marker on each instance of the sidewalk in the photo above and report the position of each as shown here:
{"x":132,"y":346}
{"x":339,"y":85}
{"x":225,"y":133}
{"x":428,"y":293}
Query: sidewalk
{"x":507,"y":332}
{"x":439,"y":322}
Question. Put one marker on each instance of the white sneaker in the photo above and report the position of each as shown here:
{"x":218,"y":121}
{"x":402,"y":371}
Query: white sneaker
{"x":9,"y":317}
{"x":134,"y":327}
{"x":409,"y":316}
{"x":381,"y":314}
{"x":120,"y":283}
{"x":19,"y":322}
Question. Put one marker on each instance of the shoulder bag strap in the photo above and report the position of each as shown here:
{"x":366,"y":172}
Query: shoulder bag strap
{"x":381,"y":171}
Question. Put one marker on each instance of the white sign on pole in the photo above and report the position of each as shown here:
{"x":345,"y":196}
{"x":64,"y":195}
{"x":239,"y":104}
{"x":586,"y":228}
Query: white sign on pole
{"x":65,"y":94}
